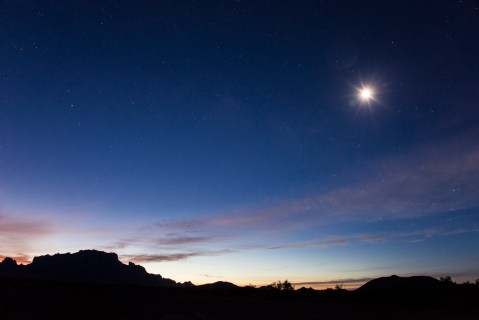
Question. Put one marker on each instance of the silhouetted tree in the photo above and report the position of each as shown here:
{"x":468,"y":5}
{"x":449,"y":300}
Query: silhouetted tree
{"x":277,"y":285}
{"x":288,"y":286}
{"x":283,"y":286}
{"x":446,"y":280}
{"x":477,"y":282}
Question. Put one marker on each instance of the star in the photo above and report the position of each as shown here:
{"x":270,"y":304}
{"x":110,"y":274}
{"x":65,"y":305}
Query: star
{"x":366,"y":94}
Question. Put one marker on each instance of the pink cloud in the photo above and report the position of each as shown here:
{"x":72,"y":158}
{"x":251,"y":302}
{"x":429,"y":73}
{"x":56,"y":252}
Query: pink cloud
{"x":15,"y":226}
{"x":18,"y":234}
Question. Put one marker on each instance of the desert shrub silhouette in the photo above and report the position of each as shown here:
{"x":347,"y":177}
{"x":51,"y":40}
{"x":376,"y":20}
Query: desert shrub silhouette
{"x":283,"y":286}
{"x":446,"y":281}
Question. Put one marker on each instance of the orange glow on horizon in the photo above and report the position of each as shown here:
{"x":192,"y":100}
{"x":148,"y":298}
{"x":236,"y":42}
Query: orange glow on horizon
{"x":19,"y":259}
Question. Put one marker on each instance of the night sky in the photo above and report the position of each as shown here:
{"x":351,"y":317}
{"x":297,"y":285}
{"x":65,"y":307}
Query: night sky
{"x":322,"y":142}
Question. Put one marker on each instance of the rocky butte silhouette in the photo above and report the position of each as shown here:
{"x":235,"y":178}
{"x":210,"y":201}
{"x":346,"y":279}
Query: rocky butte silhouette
{"x":401,"y":283}
{"x":87,"y":266}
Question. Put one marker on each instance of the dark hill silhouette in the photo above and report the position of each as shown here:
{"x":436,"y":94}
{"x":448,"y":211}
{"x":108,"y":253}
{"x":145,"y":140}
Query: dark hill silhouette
{"x":220,"y":285}
{"x":89,"y":266}
{"x":400,"y":283}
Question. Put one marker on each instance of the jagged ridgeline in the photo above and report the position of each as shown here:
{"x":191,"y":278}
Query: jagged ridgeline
{"x":88,"y":266}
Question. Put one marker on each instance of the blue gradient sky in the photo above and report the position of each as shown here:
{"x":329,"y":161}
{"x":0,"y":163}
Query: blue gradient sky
{"x":225,"y":140}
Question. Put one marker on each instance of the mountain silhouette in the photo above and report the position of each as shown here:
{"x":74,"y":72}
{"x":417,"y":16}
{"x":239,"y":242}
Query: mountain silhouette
{"x":400,"y":283}
{"x":219,"y":285}
{"x":89,"y":266}
{"x":93,"y":284}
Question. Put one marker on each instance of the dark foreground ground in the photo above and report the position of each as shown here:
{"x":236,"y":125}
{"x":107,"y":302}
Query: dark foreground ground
{"x":54,"y":300}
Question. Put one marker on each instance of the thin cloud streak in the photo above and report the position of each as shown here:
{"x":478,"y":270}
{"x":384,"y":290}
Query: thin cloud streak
{"x":164,"y":243}
{"x":142,"y":258}
{"x":427,"y":183}
{"x":181,"y":240}
{"x":357,"y":282}
{"x":433,"y":181}
{"x":418,"y":236}
{"x":148,"y":258}
{"x":337,"y":281}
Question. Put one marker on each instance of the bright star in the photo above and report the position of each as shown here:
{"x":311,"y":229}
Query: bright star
{"x":365,"y":94}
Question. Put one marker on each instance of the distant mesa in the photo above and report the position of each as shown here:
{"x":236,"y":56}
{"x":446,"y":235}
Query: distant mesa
{"x":86,"y":266}
{"x":398,"y":283}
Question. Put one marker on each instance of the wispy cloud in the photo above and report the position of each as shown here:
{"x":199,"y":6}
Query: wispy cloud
{"x":181,"y":240}
{"x":334,"y":282}
{"x":11,"y":226}
{"x":408,"y":236}
{"x":168,"y":246}
{"x":142,"y":258}
{"x":18,"y":235}
{"x":426,"y":182}
{"x":167,"y":242}
{"x":324,"y":243}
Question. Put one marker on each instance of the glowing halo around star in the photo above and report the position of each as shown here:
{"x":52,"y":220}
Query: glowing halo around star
{"x":366,"y":94}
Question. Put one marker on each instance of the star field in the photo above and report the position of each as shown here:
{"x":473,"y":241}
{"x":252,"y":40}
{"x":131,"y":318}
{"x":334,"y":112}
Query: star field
{"x":253,"y":141}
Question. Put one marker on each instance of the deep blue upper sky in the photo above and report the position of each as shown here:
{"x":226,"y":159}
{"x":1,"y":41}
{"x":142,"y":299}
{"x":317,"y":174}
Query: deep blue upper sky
{"x":198,"y":132}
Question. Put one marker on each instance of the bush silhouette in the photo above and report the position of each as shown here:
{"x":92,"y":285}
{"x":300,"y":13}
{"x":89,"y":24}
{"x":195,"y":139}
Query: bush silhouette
{"x":283,"y":286}
{"x":446,"y":280}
